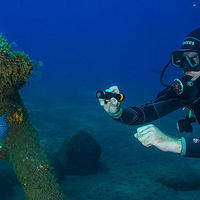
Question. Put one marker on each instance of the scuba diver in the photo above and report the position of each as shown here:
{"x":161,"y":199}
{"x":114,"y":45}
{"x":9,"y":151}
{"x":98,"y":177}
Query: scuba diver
{"x":183,"y":92}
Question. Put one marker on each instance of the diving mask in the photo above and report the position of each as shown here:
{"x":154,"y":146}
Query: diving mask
{"x":186,"y":59}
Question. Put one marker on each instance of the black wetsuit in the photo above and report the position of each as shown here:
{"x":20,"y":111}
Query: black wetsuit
{"x":166,"y":102}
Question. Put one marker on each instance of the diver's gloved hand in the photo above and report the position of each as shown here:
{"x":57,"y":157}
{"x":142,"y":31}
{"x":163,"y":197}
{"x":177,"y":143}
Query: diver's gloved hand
{"x":150,"y":135}
{"x":112,"y":107}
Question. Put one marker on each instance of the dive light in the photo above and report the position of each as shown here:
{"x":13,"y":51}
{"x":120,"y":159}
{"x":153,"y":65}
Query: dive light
{"x":101,"y":94}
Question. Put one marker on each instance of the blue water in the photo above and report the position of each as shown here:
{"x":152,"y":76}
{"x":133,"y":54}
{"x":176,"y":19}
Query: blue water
{"x":88,"y":45}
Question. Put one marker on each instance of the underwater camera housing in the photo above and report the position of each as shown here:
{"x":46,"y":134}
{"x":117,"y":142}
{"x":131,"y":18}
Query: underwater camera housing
{"x":184,"y":125}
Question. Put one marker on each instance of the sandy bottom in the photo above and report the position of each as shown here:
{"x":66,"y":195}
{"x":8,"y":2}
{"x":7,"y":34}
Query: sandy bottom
{"x":131,"y":172}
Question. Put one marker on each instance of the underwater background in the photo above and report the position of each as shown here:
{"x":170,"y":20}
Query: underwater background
{"x":90,"y":45}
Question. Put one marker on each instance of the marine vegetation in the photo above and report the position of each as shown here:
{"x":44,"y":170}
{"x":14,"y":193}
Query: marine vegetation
{"x":22,"y":147}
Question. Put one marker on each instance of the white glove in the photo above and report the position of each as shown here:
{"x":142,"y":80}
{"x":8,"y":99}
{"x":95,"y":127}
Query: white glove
{"x":150,"y":135}
{"x":112,"y":107}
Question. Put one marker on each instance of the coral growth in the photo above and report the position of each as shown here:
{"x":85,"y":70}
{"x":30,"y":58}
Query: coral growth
{"x":22,"y":147}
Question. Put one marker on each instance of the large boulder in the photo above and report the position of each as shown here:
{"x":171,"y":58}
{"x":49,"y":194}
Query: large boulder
{"x":78,"y":155}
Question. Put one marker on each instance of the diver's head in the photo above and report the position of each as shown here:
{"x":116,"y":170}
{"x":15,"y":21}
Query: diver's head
{"x":188,"y":57}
